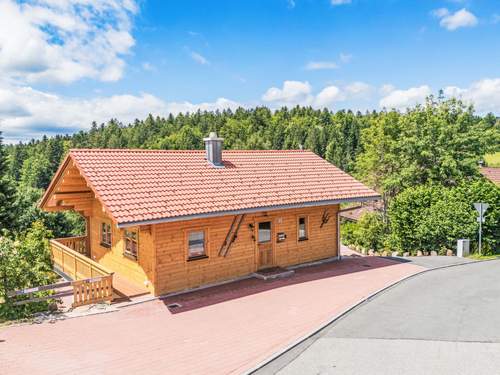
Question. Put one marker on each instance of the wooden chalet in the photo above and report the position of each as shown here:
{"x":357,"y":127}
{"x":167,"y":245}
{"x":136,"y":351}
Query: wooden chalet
{"x":173,"y":220}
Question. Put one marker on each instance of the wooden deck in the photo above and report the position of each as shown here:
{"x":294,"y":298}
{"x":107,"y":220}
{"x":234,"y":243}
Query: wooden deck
{"x":124,"y":290}
{"x":92,"y":283}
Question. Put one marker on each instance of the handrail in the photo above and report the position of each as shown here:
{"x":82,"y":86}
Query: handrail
{"x":77,"y":243}
{"x":70,"y":238}
{"x":93,"y":265}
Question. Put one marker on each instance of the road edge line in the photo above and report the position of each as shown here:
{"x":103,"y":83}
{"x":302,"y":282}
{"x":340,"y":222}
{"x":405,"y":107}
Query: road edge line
{"x":348,"y":310}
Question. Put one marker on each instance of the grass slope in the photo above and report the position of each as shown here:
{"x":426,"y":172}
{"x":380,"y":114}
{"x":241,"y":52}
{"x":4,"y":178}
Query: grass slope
{"x":492,"y":160}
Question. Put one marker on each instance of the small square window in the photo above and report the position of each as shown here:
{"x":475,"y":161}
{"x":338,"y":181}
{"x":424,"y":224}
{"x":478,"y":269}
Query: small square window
{"x":106,"y":234}
{"x":196,"y":244}
{"x":131,"y":243}
{"x":302,"y":228}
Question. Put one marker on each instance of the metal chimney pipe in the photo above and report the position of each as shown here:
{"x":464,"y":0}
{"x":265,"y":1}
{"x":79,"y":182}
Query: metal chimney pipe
{"x":213,"y":149}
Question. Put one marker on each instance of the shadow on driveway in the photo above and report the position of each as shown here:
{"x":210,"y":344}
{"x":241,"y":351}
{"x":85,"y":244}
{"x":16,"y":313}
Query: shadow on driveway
{"x":238,"y":289}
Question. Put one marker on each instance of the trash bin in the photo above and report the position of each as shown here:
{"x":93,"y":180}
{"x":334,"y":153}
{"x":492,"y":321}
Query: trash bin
{"x":463,"y":246}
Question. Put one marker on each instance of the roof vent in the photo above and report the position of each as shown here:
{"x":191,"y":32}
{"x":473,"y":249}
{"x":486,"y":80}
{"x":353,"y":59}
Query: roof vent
{"x":213,"y":148}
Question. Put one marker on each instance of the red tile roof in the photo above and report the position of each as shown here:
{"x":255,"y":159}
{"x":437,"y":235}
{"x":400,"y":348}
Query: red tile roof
{"x":357,"y":212}
{"x":492,"y":174}
{"x":149,"y":185}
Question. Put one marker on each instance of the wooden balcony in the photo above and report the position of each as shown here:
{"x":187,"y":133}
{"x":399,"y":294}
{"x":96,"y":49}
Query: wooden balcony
{"x":92,"y":282}
{"x":79,"y":244}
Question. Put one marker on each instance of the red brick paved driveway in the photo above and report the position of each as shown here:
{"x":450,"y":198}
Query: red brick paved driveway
{"x":221,"y":330}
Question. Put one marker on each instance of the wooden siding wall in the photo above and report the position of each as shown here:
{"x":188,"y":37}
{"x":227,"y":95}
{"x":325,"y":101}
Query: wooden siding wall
{"x":174,"y":272}
{"x":135,"y":271}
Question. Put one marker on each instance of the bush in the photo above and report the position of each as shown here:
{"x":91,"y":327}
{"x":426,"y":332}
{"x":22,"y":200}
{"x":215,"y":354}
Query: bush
{"x":24,"y":263}
{"x":347,"y":233}
{"x":432,"y":217}
{"x":368,"y":233}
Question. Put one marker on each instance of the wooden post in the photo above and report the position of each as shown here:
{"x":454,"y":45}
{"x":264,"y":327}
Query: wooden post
{"x":87,"y":237}
{"x":76,"y":276}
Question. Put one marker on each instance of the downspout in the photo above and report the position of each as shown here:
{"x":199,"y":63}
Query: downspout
{"x":339,"y":257}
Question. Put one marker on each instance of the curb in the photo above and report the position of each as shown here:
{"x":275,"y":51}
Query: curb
{"x":346,"y":311}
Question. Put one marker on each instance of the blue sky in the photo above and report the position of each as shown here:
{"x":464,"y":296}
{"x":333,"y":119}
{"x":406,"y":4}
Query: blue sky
{"x":94,"y":60}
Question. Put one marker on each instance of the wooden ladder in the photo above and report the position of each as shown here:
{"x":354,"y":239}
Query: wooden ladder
{"x":231,"y":235}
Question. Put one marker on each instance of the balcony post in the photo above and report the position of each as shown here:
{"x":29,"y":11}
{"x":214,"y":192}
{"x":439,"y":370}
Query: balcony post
{"x":87,"y":237}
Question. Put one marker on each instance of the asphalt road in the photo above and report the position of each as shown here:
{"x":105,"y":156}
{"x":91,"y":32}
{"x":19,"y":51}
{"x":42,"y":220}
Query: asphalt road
{"x":434,"y":261}
{"x":446,"y":321}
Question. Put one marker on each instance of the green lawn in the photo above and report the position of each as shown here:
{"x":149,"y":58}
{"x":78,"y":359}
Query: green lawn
{"x":482,"y":257}
{"x":492,"y":160}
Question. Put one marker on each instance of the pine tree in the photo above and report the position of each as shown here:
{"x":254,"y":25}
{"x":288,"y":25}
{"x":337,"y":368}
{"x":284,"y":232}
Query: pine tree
{"x":6,"y":191}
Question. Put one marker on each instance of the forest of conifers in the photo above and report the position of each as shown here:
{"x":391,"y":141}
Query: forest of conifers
{"x":424,"y":162}
{"x":435,"y":146}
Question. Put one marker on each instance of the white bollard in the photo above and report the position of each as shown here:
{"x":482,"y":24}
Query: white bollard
{"x":463,"y":247}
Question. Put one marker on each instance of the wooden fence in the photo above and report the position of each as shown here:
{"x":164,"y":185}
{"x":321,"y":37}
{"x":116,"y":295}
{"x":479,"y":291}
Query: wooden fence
{"x":84,"y":292}
{"x":73,"y":264}
{"x":98,"y":289}
{"x":93,"y":283}
{"x":79,"y":244}
{"x":51,"y":287}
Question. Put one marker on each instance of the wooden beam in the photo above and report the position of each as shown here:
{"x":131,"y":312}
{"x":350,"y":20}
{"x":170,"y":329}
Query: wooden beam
{"x":73,"y":181}
{"x":57,"y":208}
{"x":73,"y":186}
{"x":67,"y":195}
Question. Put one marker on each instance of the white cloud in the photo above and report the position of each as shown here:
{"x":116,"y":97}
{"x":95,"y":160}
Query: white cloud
{"x":220,"y":103}
{"x":61,"y":42}
{"x":292,"y":92}
{"x":386,"y":89}
{"x":340,"y":2}
{"x":441,"y":12}
{"x":328,"y":96}
{"x":324,"y":65}
{"x":27,"y":113}
{"x":359,"y":90}
{"x":402,"y":99}
{"x":321,"y":65}
{"x":301,"y":93}
{"x":483,"y":94}
{"x":199,"y":58}
{"x":454,"y":21}
{"x":453,"y":91}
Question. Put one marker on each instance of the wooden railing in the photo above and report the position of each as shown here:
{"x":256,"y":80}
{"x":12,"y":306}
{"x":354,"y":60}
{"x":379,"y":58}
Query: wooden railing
{"x":98,"y":289}
{"x":92,"y":283}
{"x":79,"y":244}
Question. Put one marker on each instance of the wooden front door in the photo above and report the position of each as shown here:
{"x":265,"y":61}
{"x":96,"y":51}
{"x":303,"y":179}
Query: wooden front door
{"x":265,"y":244}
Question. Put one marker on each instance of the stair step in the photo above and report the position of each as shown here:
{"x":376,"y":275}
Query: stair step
{"x":273,"y":273}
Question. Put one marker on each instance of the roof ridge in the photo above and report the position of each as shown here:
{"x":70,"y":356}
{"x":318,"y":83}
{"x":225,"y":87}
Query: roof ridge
{"x":145,"y":150}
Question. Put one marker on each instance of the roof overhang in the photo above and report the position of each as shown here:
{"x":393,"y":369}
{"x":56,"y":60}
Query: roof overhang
{"x":70,"y":162}
{"x":248,"y":211}
{"x":48,"y":192}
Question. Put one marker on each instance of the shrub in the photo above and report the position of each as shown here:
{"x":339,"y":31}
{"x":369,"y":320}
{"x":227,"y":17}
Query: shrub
{"x":371,"y":231}
{"x":432,"y":217}
{"x":348,"y":233}
{"x":24,"y":263}
{"x":367,"y":233}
